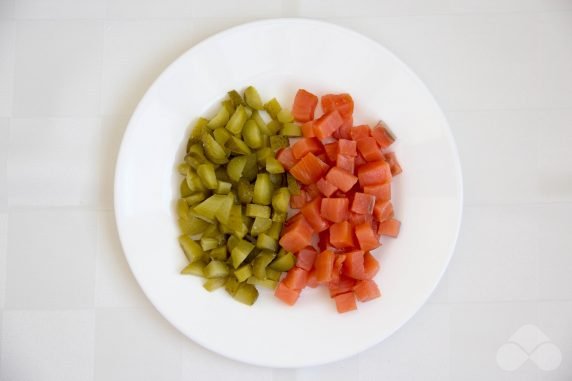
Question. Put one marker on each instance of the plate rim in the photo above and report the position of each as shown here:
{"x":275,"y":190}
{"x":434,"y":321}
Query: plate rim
{"x":287,"y":20}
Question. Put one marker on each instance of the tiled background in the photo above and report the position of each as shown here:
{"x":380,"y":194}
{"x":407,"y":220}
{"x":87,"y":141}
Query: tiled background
{"x":71,"y":72}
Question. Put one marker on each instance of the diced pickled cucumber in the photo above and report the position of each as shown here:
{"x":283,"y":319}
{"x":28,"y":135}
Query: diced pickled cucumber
{"x":246,"y":293}
{"x":197,"y":132}
{"x":275,"y":230}
{"x":192,"y":250}
{"x":214,"y":283}
{"x":283,"y":262}
{"x":273,"y":107}
{"x":260,"y":225}
{"x":281,"y":200}
{"x":214,"y":151}
{"x":262,"y":190}
{"x":252,"y":135}
{"x":231,"y":285}
{"x":240,"y":252}
{"x":245,"y":190}
{"x":279,"y":141}
{"x":273,"y":166}
{"x":237,"y":120}
{"x":293,"y":186}
{"x":208,"y":243}
{"x":237,"y":146}
{"x":255,"y":210}
{"x":221,"y":135}
{"x":219,"y":119}
{"x":243,"y":272}
{"x":267,"y":283}
{"x":291,"y":129}
{"x":195,"y":268}
{"x":216,"y":269}
{"x":272,"y":274}
{"x":284,"y":116}
{"x":263,"y":154}
{"x":219,"y":253}
{"x":195,"y":198}
{"x":252,"y":98}
{"x":207,"y":175}
{"x":266,"y":242}
{"x":182,"y":209}
{"x":235,"y":98}
{"x":261,"y":262}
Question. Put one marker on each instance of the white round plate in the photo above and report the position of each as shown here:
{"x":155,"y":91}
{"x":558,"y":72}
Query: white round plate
{"x":278,"y":57}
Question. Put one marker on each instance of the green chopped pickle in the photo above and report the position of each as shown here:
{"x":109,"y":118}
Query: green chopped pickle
{"x":279,"y":141}
{"x":194,"y":198}
{"x":258,"y":119}
{"x":243,"y":272}
{"x":197,"y":132}
{"x":283,"y":262}
{"x":223,"y":187}
{"x":234,"y":195}
{"x":273,"y":166}
{"x":246,"y":293}
{"x":273,"y":274}
{"x":262,"y":190}
{"x":291,"y":129}
{"x":207,"y":175}
{"x":237,"y":146}
{"x":221,"y":136}
{"x":235,"y":98}
{"x":245,"y":190}
{"x":281,"y":200}
{"x":183,"y":169}
{"x":284,"y":116}
{"x":272,"y":107}
{"x":195,"y":268}
{"x":231,"y":285}
{"x":275,"y":230}
{"x":263,"y":154}
{"x":240,"y":252}
{"x":255,"y":210}
{"x":267,"y":283}
{"x":192,"y":250}
{"x":219,"y":119}
{"x":260,"y":225}
{"x":252,"y":98}
{"x":273,"y":127}
{"x":182,"y":209}
{"x":214,"y":151}
{"x":219,"y":254}
{"x":208,"y":243}
{"x":266,"y":242}
{"x":252,"y":135}
{"x":214,"y":284}
{"x":279,"y":216}
{"x":237,"y":120}
{"x":216,"y":269}
{"x":228,"y":105}
{"x":293,"y":186}
{"x":261,"y":262}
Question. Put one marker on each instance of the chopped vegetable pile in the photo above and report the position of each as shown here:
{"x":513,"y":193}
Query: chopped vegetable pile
{"x":241,"y":174}
{"x":345,"y":199}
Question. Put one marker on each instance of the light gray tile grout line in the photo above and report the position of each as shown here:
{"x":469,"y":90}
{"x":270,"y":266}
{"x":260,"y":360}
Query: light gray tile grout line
{"x":514,"y":301}
{"x":491,"y":109}
{"x":389,"y":16}
{"x":12,"y":74}
{"x":516,"y":203}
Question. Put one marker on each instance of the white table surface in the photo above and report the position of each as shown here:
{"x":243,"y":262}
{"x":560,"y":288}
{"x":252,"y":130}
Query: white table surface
{"x":71,"y":73}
